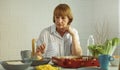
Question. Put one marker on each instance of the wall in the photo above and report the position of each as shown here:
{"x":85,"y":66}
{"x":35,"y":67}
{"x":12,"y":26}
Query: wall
{"x":107,"y":11}
{"x":119,"y":18}
{"x":22,"y":20}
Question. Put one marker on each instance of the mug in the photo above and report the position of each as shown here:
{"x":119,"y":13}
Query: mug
{"x":104,"y":61}
{"x":26,"y":55}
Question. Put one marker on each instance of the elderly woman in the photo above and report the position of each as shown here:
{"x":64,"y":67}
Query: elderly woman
{"x":59,"y":39}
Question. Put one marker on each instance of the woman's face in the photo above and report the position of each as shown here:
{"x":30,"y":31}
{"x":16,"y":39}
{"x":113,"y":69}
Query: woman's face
{"x":61,"y":22}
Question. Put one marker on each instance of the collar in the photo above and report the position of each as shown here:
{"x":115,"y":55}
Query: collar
{"x":53,"y":29}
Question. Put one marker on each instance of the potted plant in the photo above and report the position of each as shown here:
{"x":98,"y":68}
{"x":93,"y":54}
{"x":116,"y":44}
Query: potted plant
{"x":107,"y":48}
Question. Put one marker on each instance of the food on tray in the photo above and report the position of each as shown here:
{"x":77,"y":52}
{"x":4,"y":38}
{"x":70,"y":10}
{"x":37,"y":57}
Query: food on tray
{"x":46,"y":67}
{"x":75,"y":61}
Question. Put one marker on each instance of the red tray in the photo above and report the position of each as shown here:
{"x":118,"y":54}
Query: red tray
{"x":75,"y":61}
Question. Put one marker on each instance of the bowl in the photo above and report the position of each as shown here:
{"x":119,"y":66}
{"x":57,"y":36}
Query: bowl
{"x":40,"y":62}
{"x":15,"y":65}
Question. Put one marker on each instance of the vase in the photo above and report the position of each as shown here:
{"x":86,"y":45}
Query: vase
{"x":104,"y":61}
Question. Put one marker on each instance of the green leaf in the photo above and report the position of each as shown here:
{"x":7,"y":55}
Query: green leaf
{"x":115,"y":41}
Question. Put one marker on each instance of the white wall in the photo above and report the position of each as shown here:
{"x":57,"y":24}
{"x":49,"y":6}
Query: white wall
{"x":107,"y":10}
{"x":119,"y":18}
{"x":22,"y":20}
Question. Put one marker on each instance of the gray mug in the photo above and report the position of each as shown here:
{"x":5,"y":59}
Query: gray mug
{"x":26,"y":55}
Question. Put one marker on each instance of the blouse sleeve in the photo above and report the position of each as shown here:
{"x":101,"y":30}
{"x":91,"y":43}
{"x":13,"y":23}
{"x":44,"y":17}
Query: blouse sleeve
{"x":42,"y":38}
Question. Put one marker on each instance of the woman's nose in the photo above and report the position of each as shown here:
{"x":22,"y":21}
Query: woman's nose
{"x":60,"y":20}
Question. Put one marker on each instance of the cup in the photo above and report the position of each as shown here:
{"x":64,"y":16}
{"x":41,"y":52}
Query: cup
{"x":26,"y":55}
{"x":104,"y":61}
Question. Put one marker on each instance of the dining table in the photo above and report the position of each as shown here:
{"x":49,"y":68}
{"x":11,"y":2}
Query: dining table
{"x":62,"y":68}
{"x":82,"y":68}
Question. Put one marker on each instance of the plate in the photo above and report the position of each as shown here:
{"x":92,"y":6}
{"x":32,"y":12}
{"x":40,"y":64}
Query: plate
{"x":40,"y":62}
{"x":15,"y":65}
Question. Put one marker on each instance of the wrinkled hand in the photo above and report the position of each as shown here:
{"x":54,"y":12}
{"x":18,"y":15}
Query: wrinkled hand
{"x":69,"y":29}
{"x":40,"y":49}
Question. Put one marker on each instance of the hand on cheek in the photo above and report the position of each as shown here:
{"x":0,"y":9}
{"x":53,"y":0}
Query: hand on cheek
{"x":69,"y":29}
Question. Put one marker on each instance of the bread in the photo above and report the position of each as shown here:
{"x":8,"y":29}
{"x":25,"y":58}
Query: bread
{"x":39,"y":57}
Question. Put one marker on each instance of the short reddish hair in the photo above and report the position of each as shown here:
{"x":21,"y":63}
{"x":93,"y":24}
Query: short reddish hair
{"x":63,"y":10}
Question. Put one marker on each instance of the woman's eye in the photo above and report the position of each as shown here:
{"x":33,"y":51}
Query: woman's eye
{"x":63,"y":17}
{"x":57,"y":17}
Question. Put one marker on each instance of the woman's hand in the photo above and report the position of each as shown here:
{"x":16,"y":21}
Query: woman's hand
{"x":69,"y":29}
{"x":40,"y":49}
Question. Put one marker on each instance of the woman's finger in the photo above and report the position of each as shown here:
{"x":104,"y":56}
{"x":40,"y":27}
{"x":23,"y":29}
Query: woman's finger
{"x":44,"y":46}
{"x":38,"y":52}
{"x":41,"y":48}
